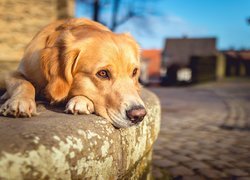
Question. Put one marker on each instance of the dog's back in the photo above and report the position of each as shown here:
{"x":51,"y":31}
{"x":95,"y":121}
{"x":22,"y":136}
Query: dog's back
{"x":83,"y":63}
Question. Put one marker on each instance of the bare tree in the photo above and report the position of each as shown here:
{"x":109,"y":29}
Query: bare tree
{"x":115,"y":14}
{"x":96,"y":10}
{"x":248,"y":20}
{"x":132,"y":9}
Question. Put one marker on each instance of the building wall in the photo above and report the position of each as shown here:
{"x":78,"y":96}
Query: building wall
{"x":237,"y":63}
{"x":20,"y":21}
{"x":204,"y":68}
{"x":154,"y":61}
{"x":220,"y":66}
{"x":179,"y":50}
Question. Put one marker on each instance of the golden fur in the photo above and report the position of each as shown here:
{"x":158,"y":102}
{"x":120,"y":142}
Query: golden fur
{"x":62,"y":63}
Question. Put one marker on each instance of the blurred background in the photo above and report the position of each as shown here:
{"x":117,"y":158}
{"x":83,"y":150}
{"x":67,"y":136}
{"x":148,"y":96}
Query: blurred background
{"x":195,"y":56}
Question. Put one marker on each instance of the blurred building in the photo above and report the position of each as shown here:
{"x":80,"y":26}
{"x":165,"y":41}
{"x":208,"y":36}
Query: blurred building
{"x":150,"y":66}
{"x":188,"y":60}
{"x":237,"y":62}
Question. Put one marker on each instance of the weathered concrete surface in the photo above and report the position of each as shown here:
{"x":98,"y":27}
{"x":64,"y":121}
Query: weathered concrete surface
{"x":55,"y":145}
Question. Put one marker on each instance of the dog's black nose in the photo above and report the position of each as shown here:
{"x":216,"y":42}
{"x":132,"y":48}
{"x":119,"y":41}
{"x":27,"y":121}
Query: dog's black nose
{"x":136,"y":114}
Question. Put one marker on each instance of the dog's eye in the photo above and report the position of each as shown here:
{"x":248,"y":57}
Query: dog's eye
{"x":135,"y":72}
{"x":103,"y":74}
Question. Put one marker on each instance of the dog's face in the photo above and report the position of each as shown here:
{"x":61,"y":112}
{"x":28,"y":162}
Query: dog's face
{"x":107,"y":73}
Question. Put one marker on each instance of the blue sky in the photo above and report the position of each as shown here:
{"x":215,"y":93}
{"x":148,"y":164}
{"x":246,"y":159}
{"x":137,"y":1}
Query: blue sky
{"x":224,"y":19}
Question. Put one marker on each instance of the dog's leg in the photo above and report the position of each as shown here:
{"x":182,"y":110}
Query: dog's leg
{"x":79,"y":105}
{"x":21,"y":93}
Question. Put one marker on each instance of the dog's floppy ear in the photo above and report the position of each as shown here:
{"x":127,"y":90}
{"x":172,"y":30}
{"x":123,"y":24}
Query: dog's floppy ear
{"x":58,"y":64}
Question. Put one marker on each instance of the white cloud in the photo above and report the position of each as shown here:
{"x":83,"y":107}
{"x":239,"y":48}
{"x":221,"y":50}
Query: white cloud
{"x":174,"y":19}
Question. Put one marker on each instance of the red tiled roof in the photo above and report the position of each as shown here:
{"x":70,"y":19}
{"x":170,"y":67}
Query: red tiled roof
{"x":153,"y":56}
{"x":231,"y":53}
{"x":243,"y":55}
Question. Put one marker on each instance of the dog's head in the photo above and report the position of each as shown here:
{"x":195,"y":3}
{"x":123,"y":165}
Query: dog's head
{"x":106,"y":70}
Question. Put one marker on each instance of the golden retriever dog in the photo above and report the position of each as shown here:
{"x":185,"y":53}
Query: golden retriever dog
{"x":84,"y":64}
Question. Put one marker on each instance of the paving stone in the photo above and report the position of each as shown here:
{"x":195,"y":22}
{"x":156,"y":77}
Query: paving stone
{"x":157,"y":173}
{"x":163,"y":163}
{"x":186,"y":152}
{"x":180,"y":158}
{"x":237,"y":172}
{"x":191,"y":138}
{"x":247,"y":170}
{"x":211,"y":173}
{"x":196,"y":177}
{"x":181,"y":171}
{"x":202,"y":157}
{"x":173,"y":147}
{"x":228,"y":158}
{"x":160,"y":142}
{"x":243,"y":164}
{"x":166,"y":153}
{"x":158,"y":147}
{"x":219,"y":164}
{"x":238,"y":150}
{"x":243,"y":178}
{"x":196,"y":165}
{"x":156,"y":156}
{"x":210,"y":152}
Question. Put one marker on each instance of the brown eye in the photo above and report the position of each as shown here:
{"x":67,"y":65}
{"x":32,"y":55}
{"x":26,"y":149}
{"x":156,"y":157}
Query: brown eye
{"x":134,"y":72}
{"x":103,"y":74}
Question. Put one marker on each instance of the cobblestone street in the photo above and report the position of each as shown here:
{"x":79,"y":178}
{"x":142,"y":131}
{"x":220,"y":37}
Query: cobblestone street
{"x":205,"y":132}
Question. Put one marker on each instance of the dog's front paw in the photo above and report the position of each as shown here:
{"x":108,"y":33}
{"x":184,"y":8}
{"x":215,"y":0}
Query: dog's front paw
{"x":79,"y":105}
{"x":19,"y":107}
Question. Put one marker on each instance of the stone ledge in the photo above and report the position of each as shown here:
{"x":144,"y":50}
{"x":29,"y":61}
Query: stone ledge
{"x":55,"y":145}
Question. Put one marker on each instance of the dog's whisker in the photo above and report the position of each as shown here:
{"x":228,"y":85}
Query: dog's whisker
{"x":117,"y":119}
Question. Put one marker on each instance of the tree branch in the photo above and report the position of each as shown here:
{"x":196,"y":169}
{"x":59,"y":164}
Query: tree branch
{"x":123,"y":20}
{"x":248,"y":20}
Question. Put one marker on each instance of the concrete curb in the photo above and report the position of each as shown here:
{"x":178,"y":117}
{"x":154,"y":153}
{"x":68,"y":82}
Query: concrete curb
{"x":55,"y":145}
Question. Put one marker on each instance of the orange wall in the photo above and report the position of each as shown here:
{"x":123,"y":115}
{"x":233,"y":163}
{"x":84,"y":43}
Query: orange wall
{"x":154,"y":61}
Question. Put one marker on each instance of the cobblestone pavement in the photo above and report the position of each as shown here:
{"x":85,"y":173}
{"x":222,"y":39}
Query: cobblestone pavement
{"x":205,"y":132}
